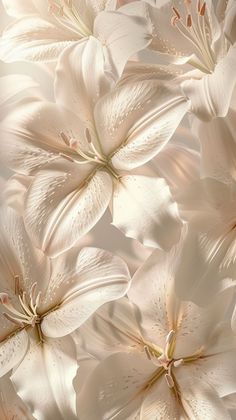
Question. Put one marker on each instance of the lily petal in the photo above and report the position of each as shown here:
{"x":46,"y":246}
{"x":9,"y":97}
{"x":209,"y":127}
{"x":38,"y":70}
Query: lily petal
{"x":12,"y":351}
{"x":33,"y":133}
{"x":99,"y":277}
{"x":113,"y":326}
{"x":53,"y":366}
{"x":210,"y":96}
{"x":201,"y":401}
{"x":75,"y":87}
{"x":18,"y":8}
{"x":218,"y":135}
{"x":143,"y":209}
{"x":122,"y":37}
{"x":33,"y":38}
{"x":11,"y":406}
{"x":65,"y":201}
{"x":116,"y":387}
{"x":136,"y":120}
{"x":18,"y":256}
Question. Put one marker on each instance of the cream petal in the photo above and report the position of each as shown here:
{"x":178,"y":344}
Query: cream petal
{"x":230,"y":21}
{"x":11,"y":406}
{"x":178,"y":165}
{"x":18,"y":8}
{"x":122,"y":37}
{"x":202,"y":283}
{"x":210,"y":96}
{"x":159,"y":307}
{"x":75,"y":87}
{"x":52,"y":365}
{"x":64,"y":201}
{"x":33,"y":38}
{"x":100,"y":277}
{"x":116,"y":387}
{"x":200,"y":400}
{"x":33,"y":133}
{"x":13,"y":88}
{"x":18,"y":256}
{"x":160,"y":403}
{"x":218,"y":135}
{"x":15,"y":191}
{"x":143,"y":209}
{"x":12,"y":351}
{"x":114,"y":327}
{"x":196,"y":326}
{"x":138,"y":116}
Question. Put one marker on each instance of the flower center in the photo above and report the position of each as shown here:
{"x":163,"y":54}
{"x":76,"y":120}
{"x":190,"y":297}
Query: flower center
{"x":27,"y":314}
{"x":165,"y":360}
{"x":67,"y":14}
{"x":195,"y":27}
{"x":91,"y":155}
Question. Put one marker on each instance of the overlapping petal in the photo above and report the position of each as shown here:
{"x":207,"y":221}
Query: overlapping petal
{"x":64,"y":202}
{"x":52,"y":365}
{"x":142,"y":208}
{"x":95,"y":277}
{"x":12,"y":351}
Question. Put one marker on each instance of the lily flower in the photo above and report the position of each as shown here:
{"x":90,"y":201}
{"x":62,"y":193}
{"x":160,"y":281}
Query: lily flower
{"x":155,"y":355}
{"x":85,"y":151}
{"x":197,"y":33}
{"x":42,"y":302}
{"x":44,"y":28}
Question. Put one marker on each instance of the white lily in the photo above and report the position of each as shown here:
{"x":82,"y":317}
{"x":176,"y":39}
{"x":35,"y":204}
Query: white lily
{"x":44,"y":28}
{"x":42,"y":302}
{"x":201,"y":34}
{"x":155,"y":355}
{"x":84,"y":152}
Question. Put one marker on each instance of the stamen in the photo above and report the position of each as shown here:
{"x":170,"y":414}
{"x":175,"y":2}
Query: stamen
{"x":147,"y":351}
{"x":199,"y":6}
{"x":178,"y":363}
{"x":66,"y":157}
{"x":176,"y":12}
{"x":203,"y":9}
{"x":32,"y":293}
{"x":17,"y":284}
{"x":65,"y":138}
{"x":38,"y":299}
{"x":15,"y":321}
{"x":4,"y":299}
{"x":169,"y":380}
{"x":189,"y":21}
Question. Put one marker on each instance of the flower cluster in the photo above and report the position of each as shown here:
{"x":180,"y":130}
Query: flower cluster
{"x":127,"y":313}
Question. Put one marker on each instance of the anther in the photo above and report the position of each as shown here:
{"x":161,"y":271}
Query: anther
{"x":189,"y":21}
{"x":4,"y":299}
{"x":178,"y":363}
{"x":73,"y":143}
{"x":203,"y":9}
{"x":65,"y":138}
{"x":88,"y":135}
{"x":176,"y":12}
{"x":17,"y":284}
